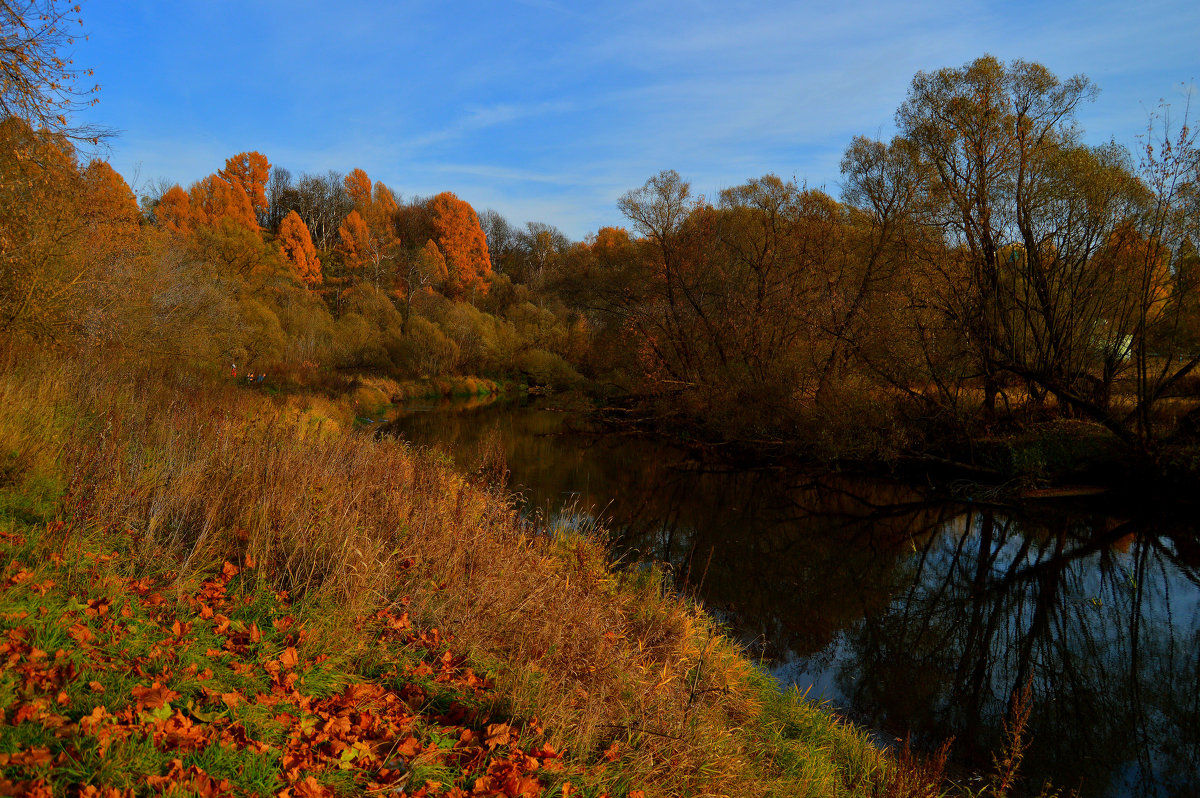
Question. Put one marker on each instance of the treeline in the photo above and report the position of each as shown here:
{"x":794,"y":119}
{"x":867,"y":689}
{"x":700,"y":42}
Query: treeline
{"x":252,"y":268}
{"x":983,"y":268}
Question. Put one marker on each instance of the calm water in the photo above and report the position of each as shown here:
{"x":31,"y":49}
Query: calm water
{"x":906,"y":614}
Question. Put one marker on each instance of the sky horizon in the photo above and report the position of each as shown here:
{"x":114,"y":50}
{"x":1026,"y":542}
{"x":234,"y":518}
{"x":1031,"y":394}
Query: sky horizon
{"x":548,"y":112}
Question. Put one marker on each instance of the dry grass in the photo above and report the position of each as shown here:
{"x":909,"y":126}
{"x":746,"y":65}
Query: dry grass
{"x":188,"y":475}
{"x":183,"y":474}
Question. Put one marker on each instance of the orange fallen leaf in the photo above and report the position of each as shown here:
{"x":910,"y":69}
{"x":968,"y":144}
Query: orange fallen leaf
{"x":80,"y":633}
{"x":154,"y":696}
{"x":289,"y":658}
{"x":497,"y":734}
{"x":311,"y":788}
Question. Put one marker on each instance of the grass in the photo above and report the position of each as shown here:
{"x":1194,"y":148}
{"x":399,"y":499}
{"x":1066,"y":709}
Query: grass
{"x":215,"y":542}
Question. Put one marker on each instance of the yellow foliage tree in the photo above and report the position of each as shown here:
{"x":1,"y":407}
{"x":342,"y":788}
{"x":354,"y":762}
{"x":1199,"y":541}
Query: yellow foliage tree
{"x":431,"y":267}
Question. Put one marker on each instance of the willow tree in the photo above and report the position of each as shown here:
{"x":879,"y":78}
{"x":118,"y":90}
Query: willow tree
{"x":1035,"y":269}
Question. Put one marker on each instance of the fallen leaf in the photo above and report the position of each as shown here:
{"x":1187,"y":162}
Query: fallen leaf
{"x":153,"y":697}
{"x":497,"y":734}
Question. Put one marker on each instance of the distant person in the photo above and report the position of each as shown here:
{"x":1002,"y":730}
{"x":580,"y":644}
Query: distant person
{"x":261,"y":377}
{"x":233,"y":371}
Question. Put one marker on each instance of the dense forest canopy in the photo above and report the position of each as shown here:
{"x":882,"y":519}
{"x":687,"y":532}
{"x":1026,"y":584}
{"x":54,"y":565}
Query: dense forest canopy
{"x":982,"y":267}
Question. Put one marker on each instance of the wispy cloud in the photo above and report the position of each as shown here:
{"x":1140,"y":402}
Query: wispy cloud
{"x":545,"y":106}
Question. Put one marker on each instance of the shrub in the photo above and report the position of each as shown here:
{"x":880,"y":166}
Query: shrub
{"x":426,"y":350}
{"x":547,"y":369}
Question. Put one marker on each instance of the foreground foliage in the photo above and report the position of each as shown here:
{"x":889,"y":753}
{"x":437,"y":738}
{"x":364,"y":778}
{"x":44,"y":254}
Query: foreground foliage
{"x":226,"y":568}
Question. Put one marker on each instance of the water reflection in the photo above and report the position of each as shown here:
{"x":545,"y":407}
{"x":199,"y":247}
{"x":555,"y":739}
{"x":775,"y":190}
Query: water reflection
{"x":905,"y":613}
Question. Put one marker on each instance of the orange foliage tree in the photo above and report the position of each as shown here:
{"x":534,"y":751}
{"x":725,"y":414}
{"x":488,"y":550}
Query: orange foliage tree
{"x":299,"y":250}
{"x":214,"y":199}
{"x":354,"y":240}
{"x":108,"y":198}
{"x":43,"y":259}
{"x":384,"y":204}
{"x":174,"y":211}
{"x":463,"y":244}
{"x":358,"y":187}
{"x":368,"y":239}
{"x":249,"y":171}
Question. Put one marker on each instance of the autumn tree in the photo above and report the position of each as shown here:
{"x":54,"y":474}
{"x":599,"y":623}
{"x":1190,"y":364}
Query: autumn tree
{"x":108,"y":198}
{"x":358,"y":188}
{"x":298,"y":248}
{"x":424,"y":269}
{"x":249,"y":171}
{"x":38,"y":83}
{"x":45,"y":268}
{"x":173,"y":211}
{"x":535,"y":253}
{"x":991,"y":133}
{"x":463,"y":244}
{"x":384,"y":204}
{"x":367,"y":237}
{"x":354,"y":240}
{"x":916,"y":344}
{"x":1170,"y":220}
{"x":1054,"y":259}
{"x":215,"y":200}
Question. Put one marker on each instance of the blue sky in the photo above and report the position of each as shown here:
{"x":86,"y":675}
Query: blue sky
{"x":548,"y":111}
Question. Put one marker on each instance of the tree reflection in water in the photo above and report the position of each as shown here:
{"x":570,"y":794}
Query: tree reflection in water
{"x":908,"y":615}
{"x":1099,"y":620}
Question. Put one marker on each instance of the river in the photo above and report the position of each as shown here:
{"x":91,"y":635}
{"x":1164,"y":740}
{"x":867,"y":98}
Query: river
{"x":906,"y":614}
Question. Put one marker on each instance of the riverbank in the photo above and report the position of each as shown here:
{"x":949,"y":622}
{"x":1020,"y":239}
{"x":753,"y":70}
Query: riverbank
{"x":133,"y":502}
{"x":1010,"y":462}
